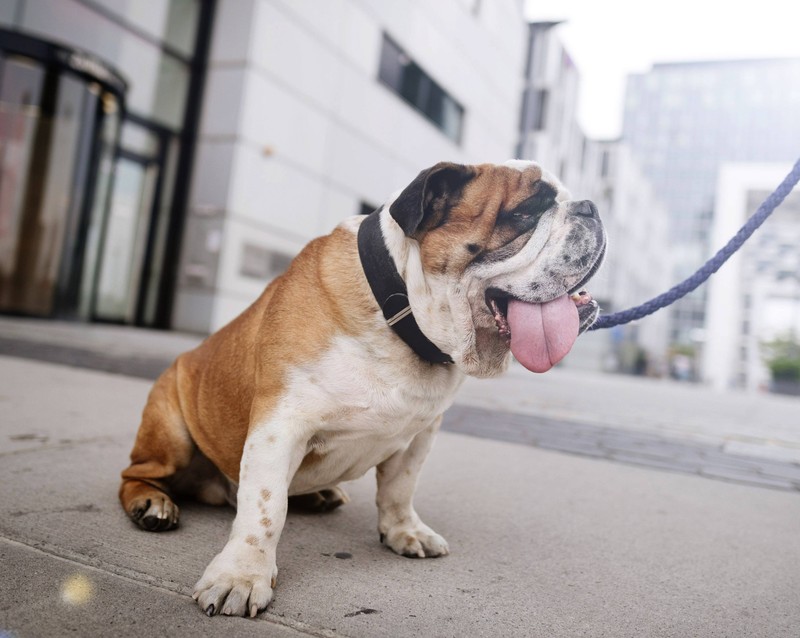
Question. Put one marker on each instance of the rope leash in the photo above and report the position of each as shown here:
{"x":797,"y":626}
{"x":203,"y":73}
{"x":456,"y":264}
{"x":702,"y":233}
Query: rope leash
{"x":712,"y":265}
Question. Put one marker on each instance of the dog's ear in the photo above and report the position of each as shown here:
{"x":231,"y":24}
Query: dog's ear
{"x":424,"y":203}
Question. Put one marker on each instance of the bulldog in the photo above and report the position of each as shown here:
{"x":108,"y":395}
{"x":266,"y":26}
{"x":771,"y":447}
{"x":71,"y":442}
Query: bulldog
{"x":347,"y":361}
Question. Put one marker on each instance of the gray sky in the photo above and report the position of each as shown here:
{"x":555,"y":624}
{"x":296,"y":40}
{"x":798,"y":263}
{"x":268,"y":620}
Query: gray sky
{"x":610,"y":38}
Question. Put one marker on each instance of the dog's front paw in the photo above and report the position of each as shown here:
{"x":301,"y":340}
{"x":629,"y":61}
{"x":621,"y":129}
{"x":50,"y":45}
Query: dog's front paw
{"x":417,"y":541}
{"x":239,"y":580}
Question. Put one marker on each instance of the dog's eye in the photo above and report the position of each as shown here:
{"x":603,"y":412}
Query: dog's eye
{"x":534,"y":205}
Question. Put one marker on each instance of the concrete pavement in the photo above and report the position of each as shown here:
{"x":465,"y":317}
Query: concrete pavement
{"x":543,"y":544}
{"x":118,"y":349}
{"x":751,"y":438}
{"x":758,"y":424}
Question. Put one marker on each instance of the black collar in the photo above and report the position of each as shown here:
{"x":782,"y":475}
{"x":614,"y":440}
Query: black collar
{"x":390,"y":290}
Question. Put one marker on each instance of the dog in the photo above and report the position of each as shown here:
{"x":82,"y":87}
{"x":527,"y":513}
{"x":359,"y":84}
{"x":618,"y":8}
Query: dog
{"x":347,"y":361}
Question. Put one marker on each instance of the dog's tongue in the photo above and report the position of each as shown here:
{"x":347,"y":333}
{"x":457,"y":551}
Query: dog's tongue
{"x":542,"y":333}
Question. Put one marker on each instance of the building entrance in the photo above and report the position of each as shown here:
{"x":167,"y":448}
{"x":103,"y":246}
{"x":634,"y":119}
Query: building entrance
{"x":85,"y":189}
{"x":59,"y":114}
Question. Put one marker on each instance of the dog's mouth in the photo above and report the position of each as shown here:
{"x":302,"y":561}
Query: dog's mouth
{"x":541,"y":334}
{"x":497,"y":301}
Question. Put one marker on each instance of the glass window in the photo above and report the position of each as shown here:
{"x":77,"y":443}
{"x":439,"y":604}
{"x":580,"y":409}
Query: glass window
{"x":604,"y":161}
{"x":138,"y":139}
{"x":172,"y":86}
{"x":540,"y":120}
{"x":21,"y":83}
{"x":94,"y":217}
{"x":156,"y":265}
{"x":157,"y":81}
{"x":107,"y":139}
{"x":45,"y":120}
{"x":124,"y":239}
{"x":171,"y":21}
{"x":406,"y":78}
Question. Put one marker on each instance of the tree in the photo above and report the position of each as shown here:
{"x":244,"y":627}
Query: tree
{"x":782,"y":356}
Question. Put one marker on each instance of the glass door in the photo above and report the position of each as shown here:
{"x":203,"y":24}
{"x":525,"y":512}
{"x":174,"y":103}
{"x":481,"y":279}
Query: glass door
{"x":125,"y":238}
{"x":56,"y":118}
{"x":46,"y":123}
{"x":133,"y":236}
{"x":21,"y":86}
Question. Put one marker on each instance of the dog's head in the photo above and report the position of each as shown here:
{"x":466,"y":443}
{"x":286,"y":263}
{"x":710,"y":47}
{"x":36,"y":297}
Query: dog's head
{"x":495,"y":258}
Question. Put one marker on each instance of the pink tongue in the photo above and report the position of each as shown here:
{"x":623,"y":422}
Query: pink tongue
{"x":542,"y":334}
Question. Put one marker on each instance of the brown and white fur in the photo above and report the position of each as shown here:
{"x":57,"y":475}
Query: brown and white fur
{"x":309,"y":387}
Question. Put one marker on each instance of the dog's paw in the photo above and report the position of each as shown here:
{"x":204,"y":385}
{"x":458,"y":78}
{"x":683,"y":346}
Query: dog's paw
{"x":155,"y":513}
{"x":419,"y":541}
{"x":236,"y":583}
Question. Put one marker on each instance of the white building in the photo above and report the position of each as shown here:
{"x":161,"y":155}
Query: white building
{"x":319,"y":110}
{"x":549,"y":131}
{"x":755,"y":296}
{"x":682,"y":121}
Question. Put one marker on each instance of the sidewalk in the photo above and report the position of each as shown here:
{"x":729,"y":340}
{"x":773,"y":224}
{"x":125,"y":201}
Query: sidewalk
{"x":754,"y":427}
{"x":118,"y":349}
{"x":543,"y":544}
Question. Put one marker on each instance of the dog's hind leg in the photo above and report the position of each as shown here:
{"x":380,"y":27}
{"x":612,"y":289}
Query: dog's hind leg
{"x":319,"y":502}
{"x":163,"y":447}
{"x":202,"y":481}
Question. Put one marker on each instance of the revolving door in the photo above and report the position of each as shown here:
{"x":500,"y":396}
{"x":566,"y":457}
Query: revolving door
{"x":60,"y":113}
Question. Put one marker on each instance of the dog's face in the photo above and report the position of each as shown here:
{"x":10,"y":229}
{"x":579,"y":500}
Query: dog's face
{"x":503,"y":254}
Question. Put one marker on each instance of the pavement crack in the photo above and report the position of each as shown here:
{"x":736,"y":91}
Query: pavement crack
{"x":362,"y":611}
{"x":141,"y":578}
{"x":64,"y":444}
{"x":83,"y":508}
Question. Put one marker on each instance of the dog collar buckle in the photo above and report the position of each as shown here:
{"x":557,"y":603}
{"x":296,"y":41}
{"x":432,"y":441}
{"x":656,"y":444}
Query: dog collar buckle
{"x":390,"y":306}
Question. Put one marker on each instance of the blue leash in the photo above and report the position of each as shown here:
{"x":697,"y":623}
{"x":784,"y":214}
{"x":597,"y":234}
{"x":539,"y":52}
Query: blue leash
{"x":712,"y":265}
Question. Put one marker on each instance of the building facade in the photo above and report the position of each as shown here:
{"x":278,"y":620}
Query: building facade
{"x":317,"y":111}
{"x":549,"y":129}
{"x":755,"y":297}
{"x":131,"y":194}
{"x":682,"y":121}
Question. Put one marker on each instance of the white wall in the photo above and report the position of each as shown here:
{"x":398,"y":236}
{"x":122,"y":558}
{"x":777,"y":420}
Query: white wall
{"x":297,"y":131}
{"x":726,"y":310}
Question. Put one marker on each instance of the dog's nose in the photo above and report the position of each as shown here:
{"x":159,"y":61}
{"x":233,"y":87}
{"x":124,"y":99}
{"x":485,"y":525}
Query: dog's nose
{"x":584,"y":208}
